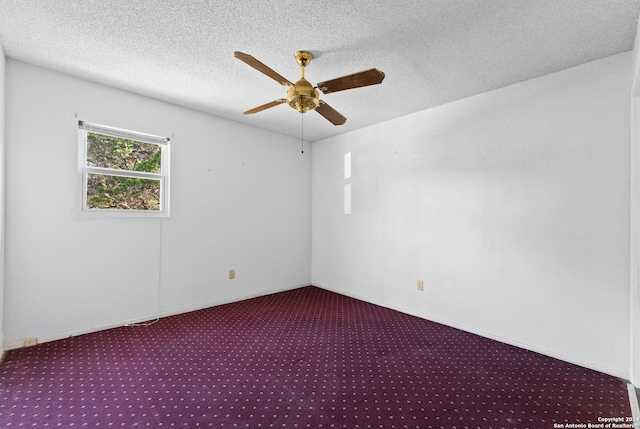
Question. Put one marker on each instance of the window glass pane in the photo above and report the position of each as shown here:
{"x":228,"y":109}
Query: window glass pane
{"x":122,"y":154}
{"x":122,"y":193}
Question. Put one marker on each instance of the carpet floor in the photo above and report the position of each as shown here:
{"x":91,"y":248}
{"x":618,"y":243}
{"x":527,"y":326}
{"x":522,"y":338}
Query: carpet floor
{"x":305,"y":358}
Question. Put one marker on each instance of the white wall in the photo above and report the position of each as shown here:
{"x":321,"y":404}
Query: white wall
{"x":240,"y":198}
{"x":512,"y":206}
{"x":2,"y":202}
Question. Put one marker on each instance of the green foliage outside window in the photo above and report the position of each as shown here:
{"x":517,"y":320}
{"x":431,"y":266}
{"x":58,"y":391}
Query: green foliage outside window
{"x":106,"y":191}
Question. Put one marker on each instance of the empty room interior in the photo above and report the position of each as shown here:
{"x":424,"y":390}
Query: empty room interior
{"x":476,"y":188}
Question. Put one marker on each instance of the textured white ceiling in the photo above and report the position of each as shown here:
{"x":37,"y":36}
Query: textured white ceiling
{"x":432,"y":51}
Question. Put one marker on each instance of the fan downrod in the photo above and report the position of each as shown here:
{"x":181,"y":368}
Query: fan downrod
{"x":302,"y":96}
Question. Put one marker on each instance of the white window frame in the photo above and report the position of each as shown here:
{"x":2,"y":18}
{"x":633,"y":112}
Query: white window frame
{"x":84,"y":170}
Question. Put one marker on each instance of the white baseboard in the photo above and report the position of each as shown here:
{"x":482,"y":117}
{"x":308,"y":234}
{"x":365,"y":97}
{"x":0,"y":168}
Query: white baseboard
{"x":140,"y":319}
{"x":172,"y":312}
{"x":510,"y":341}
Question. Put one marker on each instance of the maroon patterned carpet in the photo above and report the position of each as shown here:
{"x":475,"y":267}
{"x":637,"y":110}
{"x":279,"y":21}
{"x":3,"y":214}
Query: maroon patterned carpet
{"x":305,"y":358}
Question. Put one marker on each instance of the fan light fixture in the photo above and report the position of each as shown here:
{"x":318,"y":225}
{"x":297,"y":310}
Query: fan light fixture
{"x":302,"y":95}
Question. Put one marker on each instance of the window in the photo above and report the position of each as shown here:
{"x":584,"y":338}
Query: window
{"x":123,"y":173}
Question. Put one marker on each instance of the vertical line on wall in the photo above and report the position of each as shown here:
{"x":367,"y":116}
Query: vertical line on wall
{"x":634,"y":280}
{"x":158,"y":283}
{"x":159,"y":269}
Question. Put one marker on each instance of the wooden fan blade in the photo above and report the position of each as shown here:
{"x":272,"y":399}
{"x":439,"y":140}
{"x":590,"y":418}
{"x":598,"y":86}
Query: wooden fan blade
{"x":262,"y":68}
{"x":265,"y":106}
{"x":356,"y":80}
{"x":330,"y":114}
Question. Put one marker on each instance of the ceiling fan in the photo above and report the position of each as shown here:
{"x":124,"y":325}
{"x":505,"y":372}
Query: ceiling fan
{"x":303,"y":96}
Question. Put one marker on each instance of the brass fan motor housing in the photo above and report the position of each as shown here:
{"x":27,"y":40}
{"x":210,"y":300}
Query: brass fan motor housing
{"x":302,"y":96}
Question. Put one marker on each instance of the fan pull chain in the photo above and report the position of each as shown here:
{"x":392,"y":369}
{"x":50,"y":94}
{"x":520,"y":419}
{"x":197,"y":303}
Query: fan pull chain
{"x":302,"y":133}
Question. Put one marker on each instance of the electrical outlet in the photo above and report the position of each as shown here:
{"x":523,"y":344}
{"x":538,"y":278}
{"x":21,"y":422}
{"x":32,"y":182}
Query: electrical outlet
{"x":420,"y":285}
{"x":30,"y":342}
{"x":232,"y":274}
